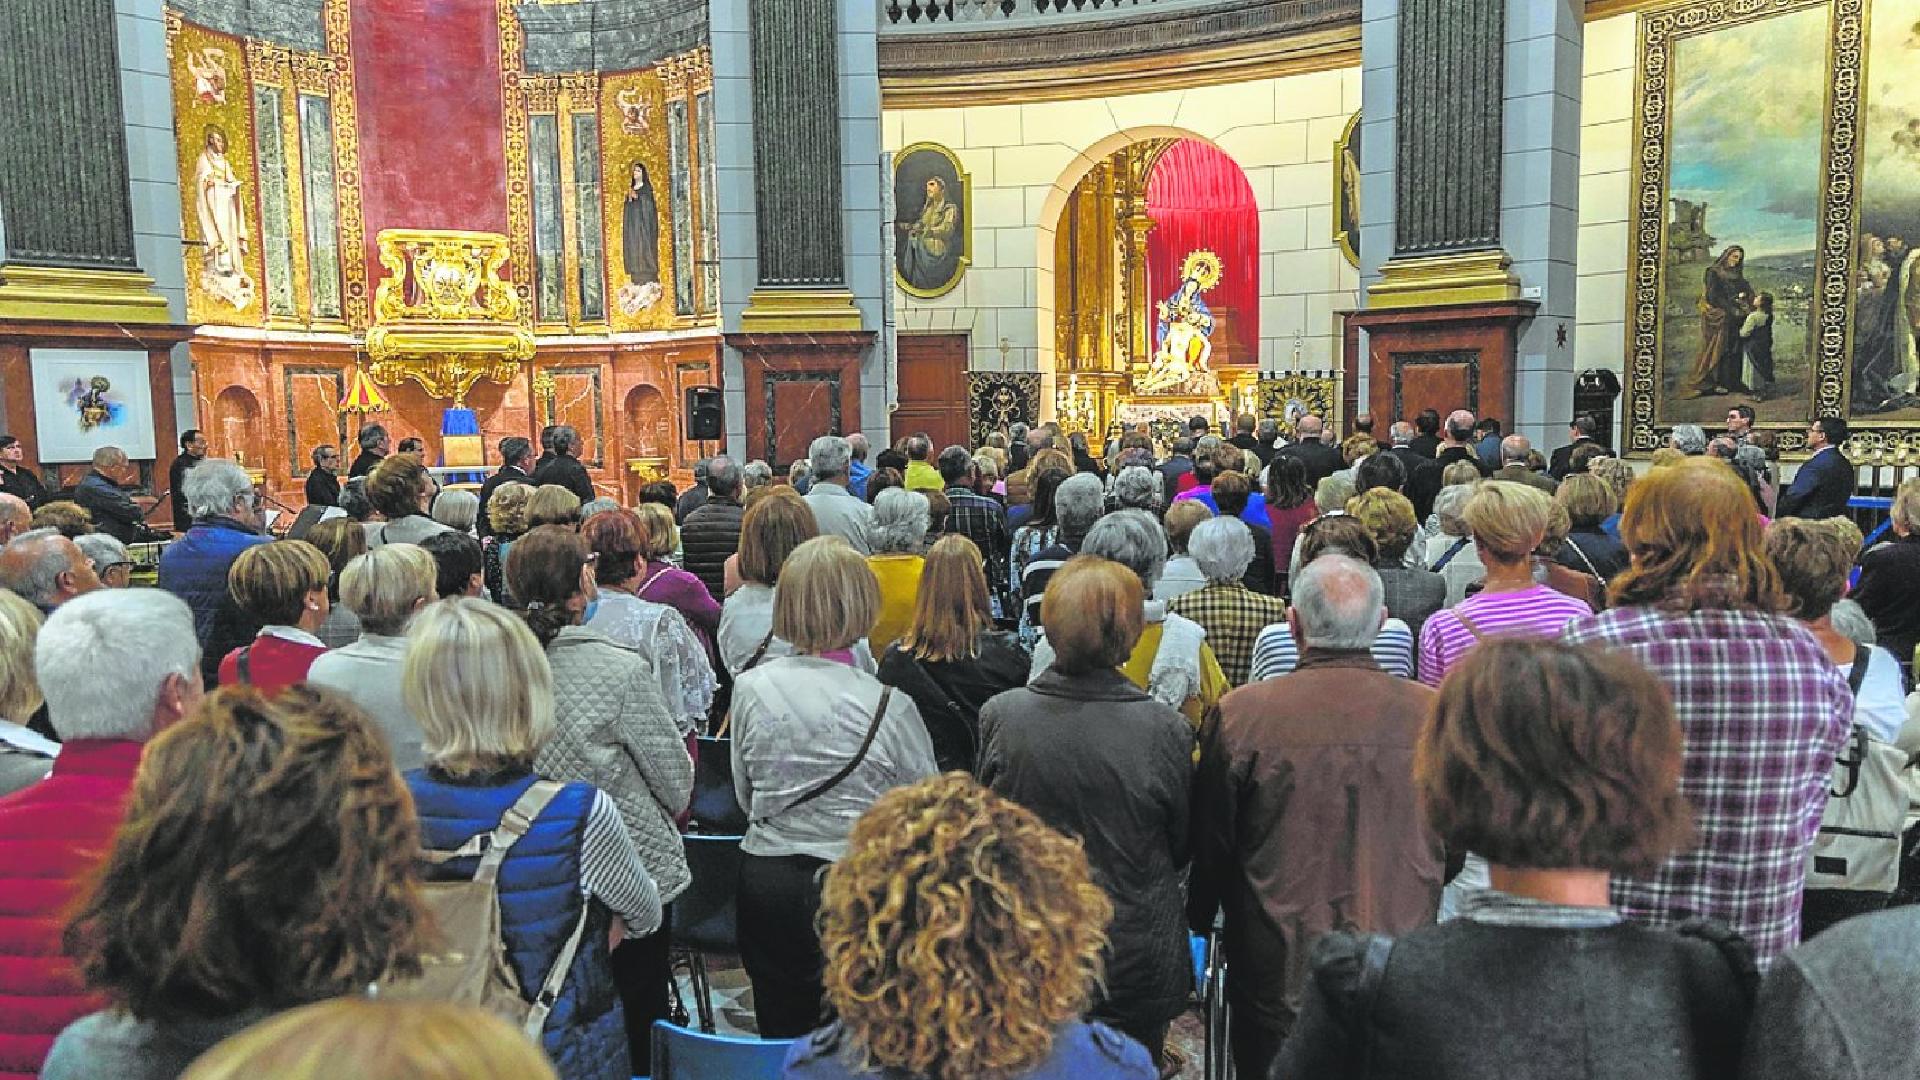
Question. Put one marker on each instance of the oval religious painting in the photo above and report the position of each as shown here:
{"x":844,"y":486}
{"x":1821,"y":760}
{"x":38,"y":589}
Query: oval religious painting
{"x":932,"y":206}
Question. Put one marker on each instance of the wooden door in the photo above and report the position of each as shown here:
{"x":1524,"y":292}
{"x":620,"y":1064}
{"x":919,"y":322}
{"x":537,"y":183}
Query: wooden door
{"x":933,"y":389}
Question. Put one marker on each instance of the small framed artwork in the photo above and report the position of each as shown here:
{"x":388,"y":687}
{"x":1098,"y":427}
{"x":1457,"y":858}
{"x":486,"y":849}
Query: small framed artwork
{"x":932,"y":241}
{"x":1346,"y":192}
{"x":84,"y":399}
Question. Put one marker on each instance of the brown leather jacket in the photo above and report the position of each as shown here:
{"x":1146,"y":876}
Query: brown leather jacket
{"x":1305,"y":821}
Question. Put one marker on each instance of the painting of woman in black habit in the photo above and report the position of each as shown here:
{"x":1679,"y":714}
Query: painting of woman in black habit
{"x":1724,"y":305}
{"x":640,"y":229}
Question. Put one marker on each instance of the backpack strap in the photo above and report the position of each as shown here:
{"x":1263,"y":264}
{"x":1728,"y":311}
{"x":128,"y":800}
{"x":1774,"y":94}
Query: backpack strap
{"x":556,"y":975}
{"x":1373,"y":968}
{"x":245,"y":668}
{"x":873,"y":729}
{"x":492,"y":846}
{"x":1858,"y":676}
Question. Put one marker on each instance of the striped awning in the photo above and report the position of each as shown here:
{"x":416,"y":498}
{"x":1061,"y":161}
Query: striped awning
{"x":362,"y":395}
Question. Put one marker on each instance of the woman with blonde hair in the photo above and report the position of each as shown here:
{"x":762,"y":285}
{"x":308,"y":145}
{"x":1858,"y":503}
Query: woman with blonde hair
{"x":25,"y":754}
{"x":614,"y":730}
{"x":815,"y":741}
{"x":661,"y":582}
{"x":341,"y":540}
{"x":1589,"y":501}
{"x":383,"y":588}
{"x":1762,"y":720}
{"x":984,"y":973}
{"x":951,"y":660}
{"x":282,"y":587}
{"x":1097,"y":757}
{"x":507,"y":516}
{"x":372,"y":1039}
{"x":898,"y":535}
{"x":484,"y":692}
{"x":551,"y":504}
{"x":267,"y":860}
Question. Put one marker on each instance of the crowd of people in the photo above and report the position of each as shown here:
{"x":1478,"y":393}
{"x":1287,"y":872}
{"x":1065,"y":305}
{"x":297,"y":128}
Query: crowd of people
{"x":1479,"y":762}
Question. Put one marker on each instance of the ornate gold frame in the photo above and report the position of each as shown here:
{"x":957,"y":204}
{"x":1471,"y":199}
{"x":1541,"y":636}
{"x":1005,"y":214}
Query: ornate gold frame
{"x":966,"y":222}
{"x":1347,"y":241}
{"x":1830,"y":373}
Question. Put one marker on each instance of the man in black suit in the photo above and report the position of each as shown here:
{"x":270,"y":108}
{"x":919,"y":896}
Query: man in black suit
{"x":1308,"y":445}
{"x":375,"y":444}
{"x":323,"y":480}
{"x":1426,"y":442}
{"x":1179,"y":464}
{"x":193,"y":451}
{"x":564,"y":468}
{"x":1423,"y":472}
{"x":516,"y":453}
{"x":1826,"y":480}
{"x":1582,"y":430}
{"x":15,"y":478}
{"x":546,"y":446}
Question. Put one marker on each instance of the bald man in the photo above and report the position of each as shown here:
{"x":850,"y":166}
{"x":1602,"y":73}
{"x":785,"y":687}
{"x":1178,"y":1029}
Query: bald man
{"x":113,"y":512}
{"x":1457,"y":444}
{"x":1513,"y":465}
{"x":1320,"y":460}
{"x":46,"y":568}
{"x":15,"y":516}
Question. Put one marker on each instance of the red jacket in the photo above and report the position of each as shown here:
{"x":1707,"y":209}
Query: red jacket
{"x":274,"y":663}
{"x":52,"y":836}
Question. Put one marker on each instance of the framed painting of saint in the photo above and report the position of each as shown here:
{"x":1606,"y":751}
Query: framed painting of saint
{"x":933,"y":198}
{"x":1346,"y":192}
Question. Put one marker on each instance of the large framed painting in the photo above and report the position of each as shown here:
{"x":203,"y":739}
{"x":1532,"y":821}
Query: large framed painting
{"x":933,"y":241}
{"x":1346,"y":192}
{"x":84,"y":399}
{"x":1884,"y":389}
{"x":1726,"y":276}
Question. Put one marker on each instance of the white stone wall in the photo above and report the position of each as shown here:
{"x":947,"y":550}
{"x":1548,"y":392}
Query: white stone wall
{"x":146,"y":103}
{"x":1024,"y":161}
{"x":1606,"y":197}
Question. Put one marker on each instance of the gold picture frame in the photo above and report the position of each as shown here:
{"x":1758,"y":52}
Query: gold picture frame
{"x":1346,"y":191}
{"x":914,"y":165}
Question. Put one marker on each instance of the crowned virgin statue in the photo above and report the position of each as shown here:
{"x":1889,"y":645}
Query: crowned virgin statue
{"x":1184,"y":332}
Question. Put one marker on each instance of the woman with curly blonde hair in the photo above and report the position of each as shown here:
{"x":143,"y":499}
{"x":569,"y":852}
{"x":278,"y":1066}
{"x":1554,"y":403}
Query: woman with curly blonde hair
{"x":266,"y":861}
{"x":963,"y":939}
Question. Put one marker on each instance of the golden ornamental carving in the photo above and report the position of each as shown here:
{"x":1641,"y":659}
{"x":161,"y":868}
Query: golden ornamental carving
{"x":542,"y":93}
{"x":444,"y":315}
{"x":579,"y":85}
{"x":513,"y":44}
{"x":312,"y":73}
{"x":266,"y":62}
{"x":346,"y":167}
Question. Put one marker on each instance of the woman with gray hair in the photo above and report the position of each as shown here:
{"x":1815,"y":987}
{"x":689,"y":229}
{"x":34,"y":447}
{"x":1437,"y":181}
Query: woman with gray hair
{"x":898,"y":536}
{"x":457,"y":509}
{"x":194,"y":567}
{"x":1137,"y":488}
{"x":1172,"y":661}
{"x":755,"y":474}
{"x":1689,"y":439}
{"x":1077,"y":504}
{"x":1451,"y":552}
{"x":1231,"y":614}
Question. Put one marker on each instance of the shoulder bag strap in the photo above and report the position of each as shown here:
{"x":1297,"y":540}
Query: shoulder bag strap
{"x":1591,"y":569}
{"x":1450,"y":553}
{"x":1858,"y":676}
{"x":758,"y":653}
{"x":245,"y":668}
{"x":1472,"y":627}
{"x":873,"y":729}
{"x":1373,"y":968}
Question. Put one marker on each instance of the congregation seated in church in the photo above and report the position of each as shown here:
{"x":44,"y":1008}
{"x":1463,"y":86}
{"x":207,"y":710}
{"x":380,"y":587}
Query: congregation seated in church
{"x":1438,"y":792}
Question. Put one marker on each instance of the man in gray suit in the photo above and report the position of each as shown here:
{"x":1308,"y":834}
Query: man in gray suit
{"x":835,"y":509}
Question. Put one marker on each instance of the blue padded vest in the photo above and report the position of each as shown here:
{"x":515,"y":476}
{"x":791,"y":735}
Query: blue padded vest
{"x":540,"y":900}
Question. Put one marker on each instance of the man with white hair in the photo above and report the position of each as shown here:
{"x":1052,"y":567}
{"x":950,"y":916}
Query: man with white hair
{"x":1231,"y":614}
{"x":100,"y":495}
{"x":1077,"y":503}
{"x":835,"y":509}
{"x":1458,"y":443}
{"x":1514,"y":468}
{"x":194,"y":567}
{"x":46,"y":569}
{"x":1320,"y":760}
{"x":117,"y":666}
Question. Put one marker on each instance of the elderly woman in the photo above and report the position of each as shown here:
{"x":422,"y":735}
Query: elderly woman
{"x":457,"y":510}
{"x":1588,"y":548}
{"x":65,"y":516}
{"x":1124,"y":789}
{"x":1182,"y":574}
{"x":755,"y":474}
{"x":1171,"y":659}
{"x":1276,"y":653}
{"x":1814,"y":559}
{"x":552,"y":504}
{"x":1136,"y":487}
{"x":1762,"y":721}
{"x":401,"y":489}
{"x":664,"y":583}
{"x":383,"y":588}
{"x":507,"y":518}
{"x":898,"y":535}
{"x":950,"y":659}
{"x":377,"y":1039}
{"x":612,"y":729}
{"x":27,"y":755}
{"x":1562,"y":765}
{"x":1889,"y":586}
{"x":815,"y":742}
{"x":656,"y":631}
{"x":1232,"y":492}
{"x":1413,"y":594}
{"x":282,"y":588}
{"x":484,"y":691}
{"x":226,"y":522}
{"x":108,"y":555}
{"x":267,"y":860}
{"x":1450,"y":550}
{"x":341,"y":540}
{"x":992,"y":983}
{"x":1077,"y":504}
{"x":1231,"y":614}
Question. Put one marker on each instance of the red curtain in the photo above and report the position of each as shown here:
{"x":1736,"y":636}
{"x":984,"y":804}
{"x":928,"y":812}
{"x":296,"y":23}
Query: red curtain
{"x":1199,"y":198}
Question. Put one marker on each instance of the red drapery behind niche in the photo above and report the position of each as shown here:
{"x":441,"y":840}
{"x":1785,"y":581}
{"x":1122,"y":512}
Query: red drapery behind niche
{"x":1198,"y":198}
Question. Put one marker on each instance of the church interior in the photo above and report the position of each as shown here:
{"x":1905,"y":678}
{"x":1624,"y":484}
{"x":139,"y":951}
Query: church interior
{"x":273,"y":220}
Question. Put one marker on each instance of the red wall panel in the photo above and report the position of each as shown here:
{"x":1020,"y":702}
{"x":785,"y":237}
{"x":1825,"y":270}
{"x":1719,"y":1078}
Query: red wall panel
{"x":427,"y":78}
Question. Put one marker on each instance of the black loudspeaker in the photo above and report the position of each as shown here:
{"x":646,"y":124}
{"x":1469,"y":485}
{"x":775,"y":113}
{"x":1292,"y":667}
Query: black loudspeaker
{"x":704,"y":415}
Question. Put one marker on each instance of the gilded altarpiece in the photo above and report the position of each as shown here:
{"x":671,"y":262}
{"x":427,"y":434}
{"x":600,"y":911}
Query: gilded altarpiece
{"x":636,"y":202}
{"x":219,"y":185}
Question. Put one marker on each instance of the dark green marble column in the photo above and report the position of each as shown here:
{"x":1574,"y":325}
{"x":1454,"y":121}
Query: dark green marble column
{"x":796,"y":143}
{"x":1451,"y":91}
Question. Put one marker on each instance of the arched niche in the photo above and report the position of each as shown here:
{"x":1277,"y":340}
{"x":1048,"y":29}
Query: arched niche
{"x":647,"y":424}
{"x":237,"y":430}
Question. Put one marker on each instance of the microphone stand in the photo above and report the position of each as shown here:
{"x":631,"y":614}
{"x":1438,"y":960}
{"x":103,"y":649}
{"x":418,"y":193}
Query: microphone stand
{"x":289,"y":511}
